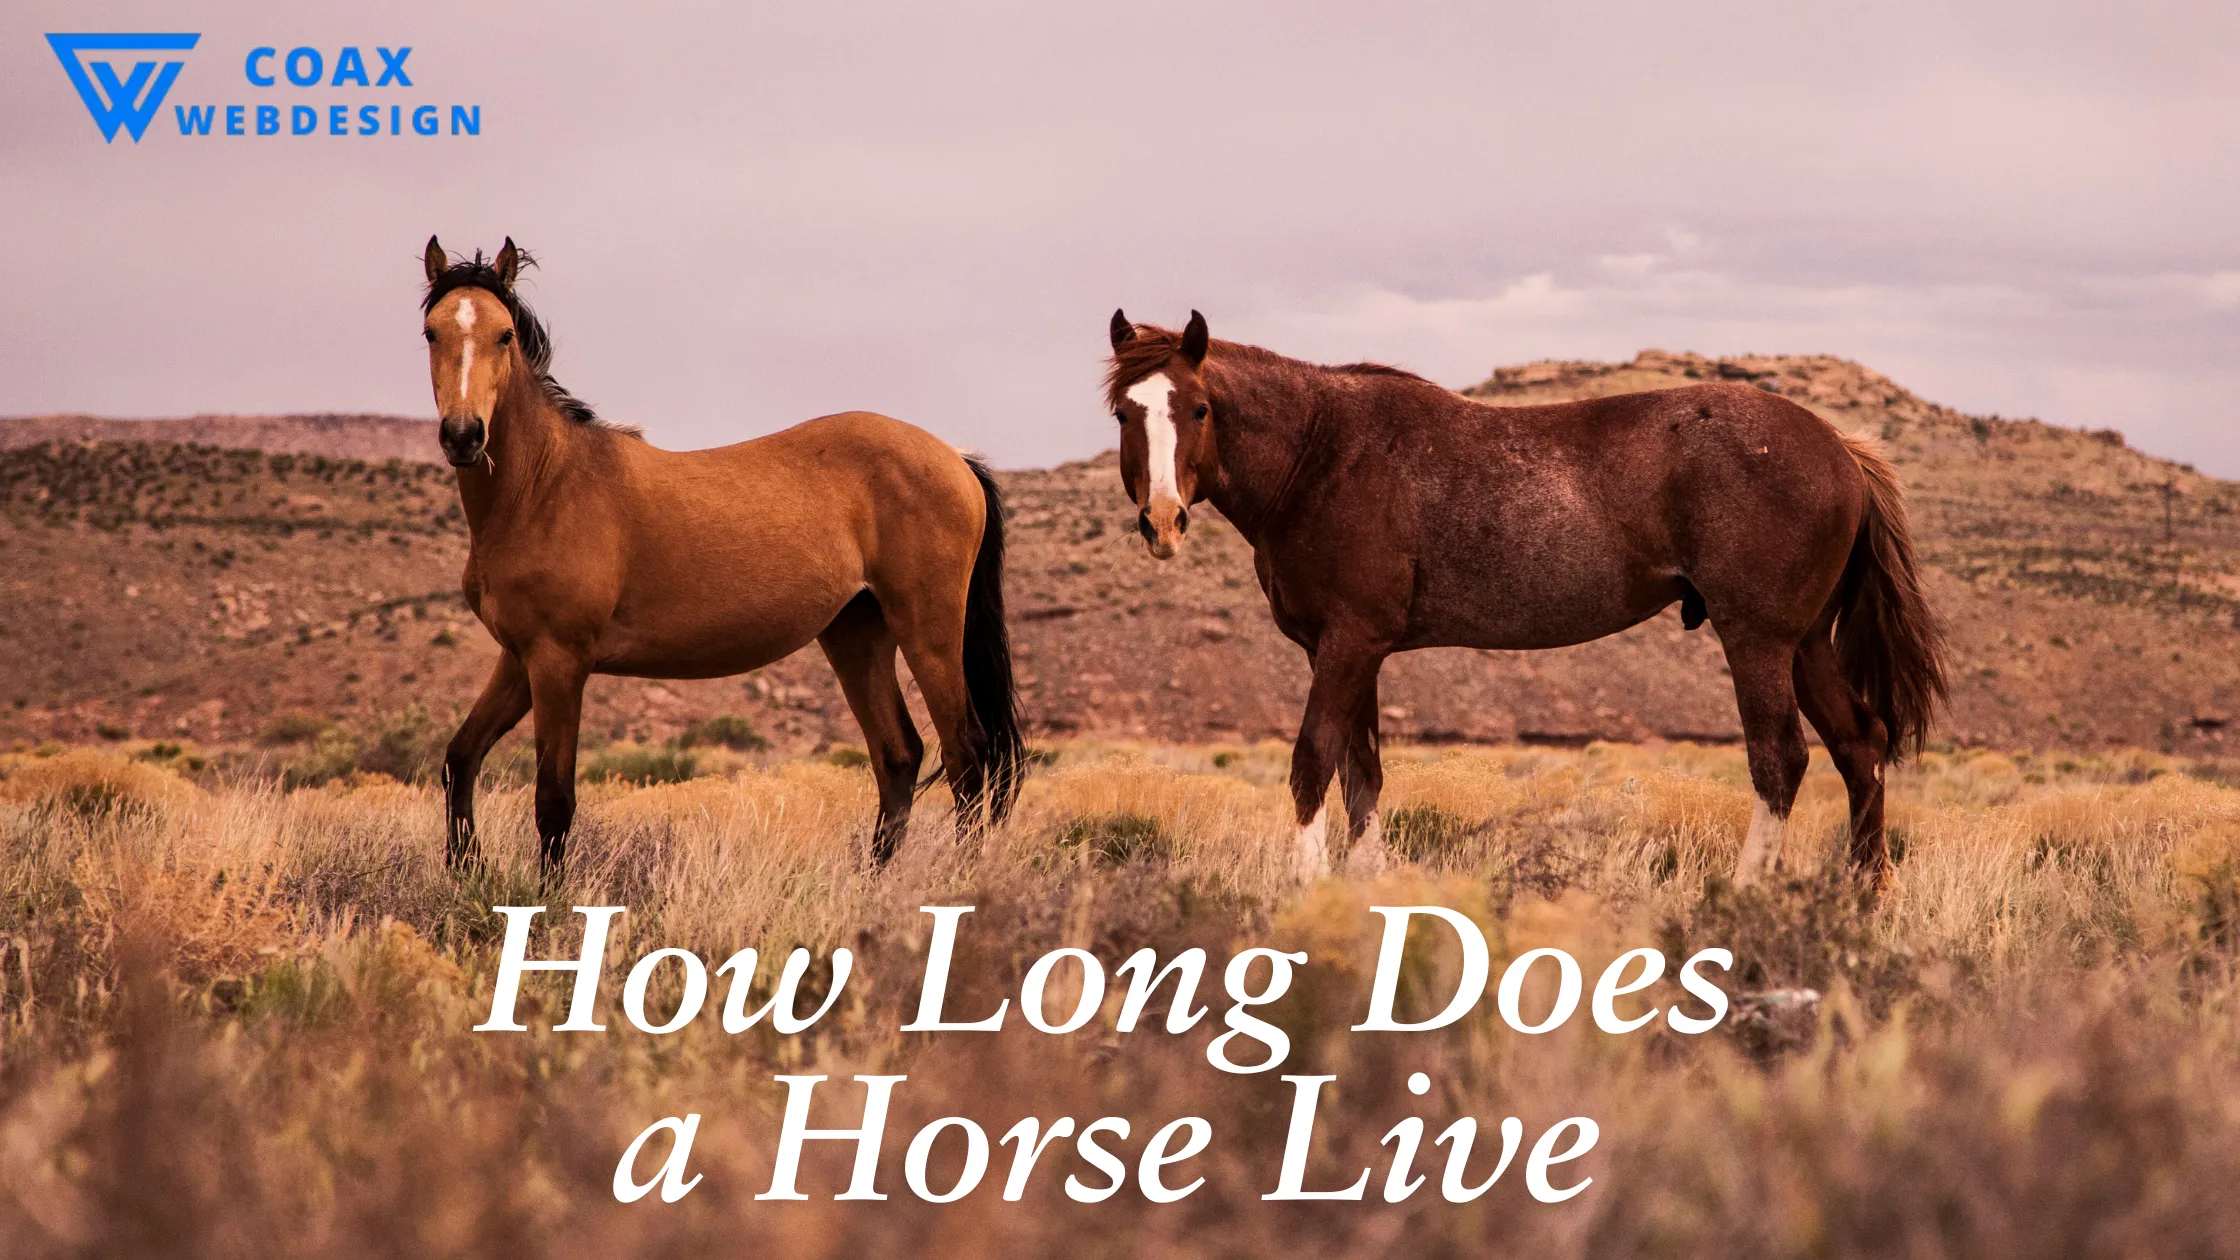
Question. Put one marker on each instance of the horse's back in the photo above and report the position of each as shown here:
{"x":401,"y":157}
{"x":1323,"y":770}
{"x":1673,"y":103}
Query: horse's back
{"x":844,"y":444}
{"x":736,"y":555}
{"x":1587,"y":516}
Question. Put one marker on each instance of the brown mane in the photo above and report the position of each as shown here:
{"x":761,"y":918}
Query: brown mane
{"x":1154,"y":347}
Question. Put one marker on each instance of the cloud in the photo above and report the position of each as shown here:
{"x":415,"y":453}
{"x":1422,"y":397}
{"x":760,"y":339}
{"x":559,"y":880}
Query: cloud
{"x":2074,"y":349}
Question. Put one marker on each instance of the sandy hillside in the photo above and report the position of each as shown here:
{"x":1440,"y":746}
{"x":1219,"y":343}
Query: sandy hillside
{"x":165,"y":589}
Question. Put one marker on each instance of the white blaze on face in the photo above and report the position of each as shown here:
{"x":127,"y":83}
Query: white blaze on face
{"x":1154,"y":394}
{"x":466,"y":343}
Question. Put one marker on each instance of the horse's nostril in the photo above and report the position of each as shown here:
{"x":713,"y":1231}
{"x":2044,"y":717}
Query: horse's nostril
{"x":1182,"y":521}
{"x":1143,"y":526}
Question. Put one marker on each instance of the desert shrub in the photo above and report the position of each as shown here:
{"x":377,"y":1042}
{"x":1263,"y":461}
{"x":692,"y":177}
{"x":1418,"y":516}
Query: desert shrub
{"x":1116,"y":839}
{"x":1808,"y":932}
{"x":90,"y":785}
{"x":2217,"y":906}
{"x":726,"y":730}
{"x":634,"y":763}
{"x":847,"y":757}
{"x":211,"y":923}
{"x":293,"y":727}
{"x":330,"y":756}
{"x":1425,"y":833}
{"x":301,"y":991}
{"x":404,"y":745}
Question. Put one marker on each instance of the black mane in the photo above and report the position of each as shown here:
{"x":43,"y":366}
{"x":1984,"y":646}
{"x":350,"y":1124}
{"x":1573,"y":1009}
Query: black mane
{"x":536,"y":345}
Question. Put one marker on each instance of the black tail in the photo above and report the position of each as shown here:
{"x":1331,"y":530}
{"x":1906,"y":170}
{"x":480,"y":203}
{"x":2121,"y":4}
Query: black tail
{"x":987,"y":658}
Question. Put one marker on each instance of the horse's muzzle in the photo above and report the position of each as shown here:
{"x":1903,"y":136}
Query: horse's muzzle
{"x":463,"y":441}
{"x":1163,"y":528}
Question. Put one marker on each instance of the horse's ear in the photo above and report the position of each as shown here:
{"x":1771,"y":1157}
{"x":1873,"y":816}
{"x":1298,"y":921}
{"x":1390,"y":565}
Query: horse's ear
{"x":1194,"y":339}
{"x":1123,"y":331}
{"x":435,"y":260}
{"x":508,"y":264}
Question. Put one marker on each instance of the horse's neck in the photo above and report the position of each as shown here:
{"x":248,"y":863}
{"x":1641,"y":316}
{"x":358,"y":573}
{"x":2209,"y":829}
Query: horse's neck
{"x":1270,"y":415}
{"x":529,"y":442}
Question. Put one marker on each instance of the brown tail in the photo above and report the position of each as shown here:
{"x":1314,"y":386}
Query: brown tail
{"x":1890,"y":641}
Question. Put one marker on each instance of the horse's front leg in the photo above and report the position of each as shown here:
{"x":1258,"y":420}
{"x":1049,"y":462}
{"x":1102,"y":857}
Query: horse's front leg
{"x":1344,"y":688}
{"x":556,"y":678}
{"x":504,"y":702}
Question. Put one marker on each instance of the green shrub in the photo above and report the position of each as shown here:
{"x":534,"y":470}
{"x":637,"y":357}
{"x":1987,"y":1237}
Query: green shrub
{"x":640,"y":765}
{"x":405,"y":745}
{"x":332,"y":754}
{"x":848,"y":758}
{"x":1116,"y":839}
{"x":726,"y":730}
{"x":293,"y":727}
{"x":1425,"y":833}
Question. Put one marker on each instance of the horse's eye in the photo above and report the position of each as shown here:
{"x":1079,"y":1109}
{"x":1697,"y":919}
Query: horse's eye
{"x":430,"y":334}
{"x":506,"y":338}
{"x":1204,"y":411}
{"x":1121,"y":416}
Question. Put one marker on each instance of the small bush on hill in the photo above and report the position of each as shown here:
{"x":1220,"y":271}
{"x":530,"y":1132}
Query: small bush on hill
{"x":640,"y":765}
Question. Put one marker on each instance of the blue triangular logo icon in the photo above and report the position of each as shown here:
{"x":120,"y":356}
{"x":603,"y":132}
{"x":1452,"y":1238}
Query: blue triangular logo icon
{"x":129,"y":102}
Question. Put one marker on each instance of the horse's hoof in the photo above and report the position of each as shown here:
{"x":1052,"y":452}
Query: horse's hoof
{"x":1369,"y":859}
{"x":1310,"y":859}
{"x":1370,"y":856}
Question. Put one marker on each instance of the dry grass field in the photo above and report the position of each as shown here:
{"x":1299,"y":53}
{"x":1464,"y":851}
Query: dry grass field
{"x":235,"y":1017}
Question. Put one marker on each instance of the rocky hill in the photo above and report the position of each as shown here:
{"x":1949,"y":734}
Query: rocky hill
{"x":345,"y":436}
{"x":165,"y":589}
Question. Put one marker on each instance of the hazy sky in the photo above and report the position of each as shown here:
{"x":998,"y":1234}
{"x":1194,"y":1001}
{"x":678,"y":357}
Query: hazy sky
{"x":749,"y":215}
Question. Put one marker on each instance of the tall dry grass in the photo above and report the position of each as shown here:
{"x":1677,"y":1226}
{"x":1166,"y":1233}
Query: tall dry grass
{"x":234,"y":1019}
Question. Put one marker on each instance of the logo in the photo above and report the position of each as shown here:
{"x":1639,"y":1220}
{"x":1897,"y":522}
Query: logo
{"x":294,"y":94}
{"x":129,"y":102}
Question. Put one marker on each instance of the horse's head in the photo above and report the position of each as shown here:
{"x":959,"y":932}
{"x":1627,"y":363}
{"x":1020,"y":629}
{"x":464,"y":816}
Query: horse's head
{"x":472,"y":350}
{"x":1166,"y":424}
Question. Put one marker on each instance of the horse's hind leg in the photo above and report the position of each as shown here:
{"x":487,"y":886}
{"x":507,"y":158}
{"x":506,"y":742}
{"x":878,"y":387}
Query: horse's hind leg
{"x":1766,"y":694}
{"x":938,"y":665}
{"x":1361,"y":779}
{"x":556,"y":678}
{"x":1856,"y":740}
{"x":862,"y":654}
{"x":926,"y":619}
{"x":504,"y":702}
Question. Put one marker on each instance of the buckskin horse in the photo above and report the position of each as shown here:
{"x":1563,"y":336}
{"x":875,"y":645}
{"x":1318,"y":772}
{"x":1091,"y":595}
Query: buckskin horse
{"x":594,"y":552}
{"x":1386,"y":513}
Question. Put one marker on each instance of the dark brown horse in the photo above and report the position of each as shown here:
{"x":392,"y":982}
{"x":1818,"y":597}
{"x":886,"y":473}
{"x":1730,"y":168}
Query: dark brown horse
{"x":1386,"y":513}
{"x":596,"y":553}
